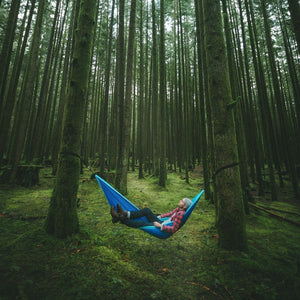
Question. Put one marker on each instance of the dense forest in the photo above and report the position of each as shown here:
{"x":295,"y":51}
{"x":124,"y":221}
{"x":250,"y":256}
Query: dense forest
{"x":152,"y":88}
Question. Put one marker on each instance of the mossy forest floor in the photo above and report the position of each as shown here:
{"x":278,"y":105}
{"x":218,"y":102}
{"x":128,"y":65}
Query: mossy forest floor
{"x":111,"y":261}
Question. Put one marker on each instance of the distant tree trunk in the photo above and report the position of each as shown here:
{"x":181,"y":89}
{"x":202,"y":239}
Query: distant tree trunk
{"x":124,"y":141}
{"x":254,"y":150}
{"x":118,"y":101}
{"x":26,"y":101}
{"x":154,"y":93}
{"x":199,"y":33}
{"x":284,"y":146}
{"x":11,"y":91}
{"x":185,"y":131}
{"x":295,"y":82}
{"x":140,"y":128}
{"x":266,"y":118}
{"x":7,"y":45}
{"x":62,"y":219}
{"x":42,"y":112}
{"x":230,"y":210}
{"x":295,"y":14}
{"x":162,"y":97}
{"x":104,"y":103}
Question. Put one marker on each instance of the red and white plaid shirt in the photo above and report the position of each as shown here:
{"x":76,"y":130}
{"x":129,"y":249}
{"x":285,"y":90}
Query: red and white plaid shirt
{"x":176,"y":216}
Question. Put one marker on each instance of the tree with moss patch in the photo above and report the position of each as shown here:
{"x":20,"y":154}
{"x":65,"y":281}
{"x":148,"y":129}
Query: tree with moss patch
{"x":227,"y":186}
{"x":62,"y":219}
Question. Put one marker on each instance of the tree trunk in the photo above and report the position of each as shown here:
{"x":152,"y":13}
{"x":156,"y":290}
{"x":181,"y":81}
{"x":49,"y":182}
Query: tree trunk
{"x":125,"y":120}
{"x":7,"y":45}
{"x":240,"y":135}
{"x":62,"y":219}
{"x":105,"y":101}
{"x":162,"y":96}
{"x":294,"y":7}
{"x":27,"y":95}
{"x":11,"y":91}
{"x":230,"y":210}
{"x":205,"y":162}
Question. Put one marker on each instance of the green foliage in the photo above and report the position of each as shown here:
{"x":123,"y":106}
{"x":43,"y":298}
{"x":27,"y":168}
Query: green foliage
{"x":111,"y":261}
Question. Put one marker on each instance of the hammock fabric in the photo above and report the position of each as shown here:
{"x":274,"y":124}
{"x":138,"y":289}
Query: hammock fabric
{"x":114,"y":197}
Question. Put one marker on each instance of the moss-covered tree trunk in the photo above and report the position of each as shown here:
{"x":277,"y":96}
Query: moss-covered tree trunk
{"x":230,"y":210}
{"x":62,"y":219}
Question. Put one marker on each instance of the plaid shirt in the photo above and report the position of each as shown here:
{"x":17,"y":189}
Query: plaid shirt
{"x":176,"y":216}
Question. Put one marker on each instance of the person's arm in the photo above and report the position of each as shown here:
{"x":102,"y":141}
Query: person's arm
{"x":176,"y":223}
{"x":169,"y":214}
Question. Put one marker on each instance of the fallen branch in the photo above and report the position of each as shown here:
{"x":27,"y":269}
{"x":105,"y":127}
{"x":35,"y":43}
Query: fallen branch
{"x":274,"y":215}
{"x":280,"y":210}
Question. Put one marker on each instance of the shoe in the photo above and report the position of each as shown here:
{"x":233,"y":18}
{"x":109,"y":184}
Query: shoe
{"x":114,"y":214}
{"x":122,"y":212}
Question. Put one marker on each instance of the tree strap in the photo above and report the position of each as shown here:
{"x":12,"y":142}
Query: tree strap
{"x":223,"y":168}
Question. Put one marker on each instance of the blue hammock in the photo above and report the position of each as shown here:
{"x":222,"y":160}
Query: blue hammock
{"x":114,"y":197}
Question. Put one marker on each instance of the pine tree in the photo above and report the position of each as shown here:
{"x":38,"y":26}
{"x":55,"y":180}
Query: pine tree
{"x":62,"y":219}
{"x":230,"y":210}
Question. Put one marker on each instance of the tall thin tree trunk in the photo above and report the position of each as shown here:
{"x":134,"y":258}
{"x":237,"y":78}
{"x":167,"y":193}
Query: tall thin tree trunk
{"x":104,"y":103}
{"x":162,"y":97}
{"x":154,"y":91}
{"x":199,"y":25}
{"x":26,"y":97}
{"x":7,"y":45}
{"x":295,"y":14}
{"x":10,"y":94}
{"x":125,"y":120}
{"x":42,"y":112}
{"x":140,"y":127}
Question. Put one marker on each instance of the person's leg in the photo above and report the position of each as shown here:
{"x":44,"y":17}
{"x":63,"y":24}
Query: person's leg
{"x":133,"y":221}
{"x":144,"y":212}
{"x":136,"y":223}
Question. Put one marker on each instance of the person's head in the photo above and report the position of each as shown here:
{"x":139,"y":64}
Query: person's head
{"x":184,"y":203}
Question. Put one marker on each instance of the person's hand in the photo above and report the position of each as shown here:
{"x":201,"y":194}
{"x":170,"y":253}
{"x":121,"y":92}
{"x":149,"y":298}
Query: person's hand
{"x":156,"y":224}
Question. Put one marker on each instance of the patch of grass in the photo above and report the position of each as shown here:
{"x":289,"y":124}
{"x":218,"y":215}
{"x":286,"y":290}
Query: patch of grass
{"x":112,"y":261}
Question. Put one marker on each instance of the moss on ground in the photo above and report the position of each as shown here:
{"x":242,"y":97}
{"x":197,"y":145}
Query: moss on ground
{"x":111,"y":261}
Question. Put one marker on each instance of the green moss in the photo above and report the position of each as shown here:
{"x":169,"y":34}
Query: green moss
{"x":111,"y":261}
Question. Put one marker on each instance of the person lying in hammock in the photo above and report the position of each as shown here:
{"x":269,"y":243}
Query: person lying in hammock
{"x":131,"y":218}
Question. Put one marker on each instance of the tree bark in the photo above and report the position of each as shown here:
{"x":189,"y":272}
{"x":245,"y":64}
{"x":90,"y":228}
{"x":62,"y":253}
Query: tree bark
{"x":62,"y":219}
{"x":125,"y":119}
{"x":230,"y":210}
{"x":162,"y":97}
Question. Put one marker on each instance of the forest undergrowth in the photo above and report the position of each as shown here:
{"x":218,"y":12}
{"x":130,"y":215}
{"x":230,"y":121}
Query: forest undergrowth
{"x":111,"y":261}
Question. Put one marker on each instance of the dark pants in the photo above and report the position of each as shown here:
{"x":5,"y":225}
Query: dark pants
{"x":144,"y":212}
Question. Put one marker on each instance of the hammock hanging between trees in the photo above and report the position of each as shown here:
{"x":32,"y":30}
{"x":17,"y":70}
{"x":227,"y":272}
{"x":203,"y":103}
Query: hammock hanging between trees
{"x":114,"y":197}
